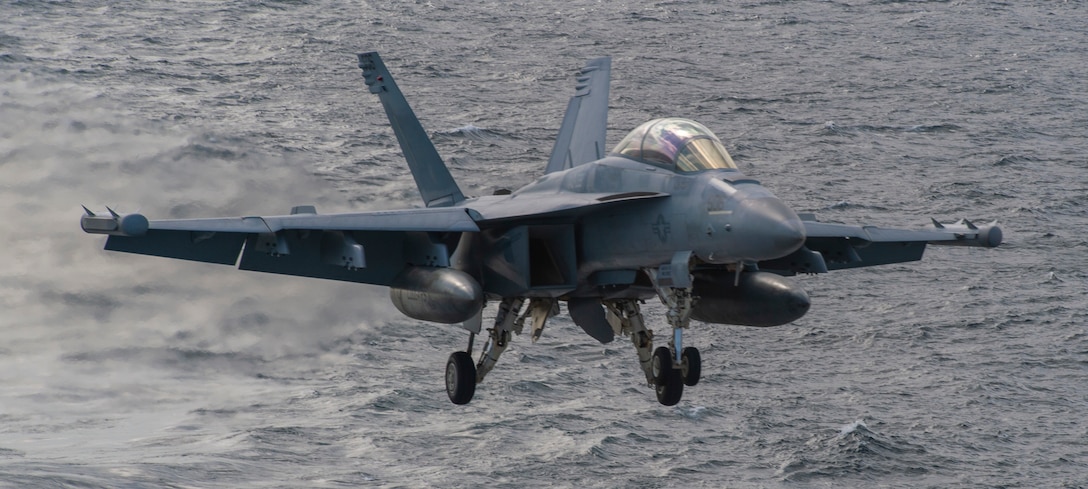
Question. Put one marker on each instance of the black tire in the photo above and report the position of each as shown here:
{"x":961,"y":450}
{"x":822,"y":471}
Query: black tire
{"x":691,"y":365}
{"x":460,"y":377}
{"x":668,"y":382}
{"x":662,"y":364}
{"x":671,"y":389}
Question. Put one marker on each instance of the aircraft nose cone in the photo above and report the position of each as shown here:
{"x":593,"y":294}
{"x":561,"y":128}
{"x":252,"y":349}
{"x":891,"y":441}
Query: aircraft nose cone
{"x":772,"y":229}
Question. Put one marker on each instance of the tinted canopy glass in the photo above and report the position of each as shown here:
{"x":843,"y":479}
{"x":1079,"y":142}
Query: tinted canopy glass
{"x":677,"y":144}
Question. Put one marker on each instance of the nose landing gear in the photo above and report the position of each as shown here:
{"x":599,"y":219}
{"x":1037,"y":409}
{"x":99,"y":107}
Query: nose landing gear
{"x":668,"y":379}
{"x":666,"y":371}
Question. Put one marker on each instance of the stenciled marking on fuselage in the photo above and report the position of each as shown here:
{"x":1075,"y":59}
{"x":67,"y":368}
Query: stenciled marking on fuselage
{"x":662,"y":228}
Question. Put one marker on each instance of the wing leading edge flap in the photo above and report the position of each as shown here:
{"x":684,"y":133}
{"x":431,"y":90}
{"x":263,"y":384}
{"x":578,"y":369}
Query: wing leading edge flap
{"x":581,"y":137}
{"x":439,"y":219}
{"x":963,"y":233}
{"x":323,"y":246}
{"x":840,"y":246}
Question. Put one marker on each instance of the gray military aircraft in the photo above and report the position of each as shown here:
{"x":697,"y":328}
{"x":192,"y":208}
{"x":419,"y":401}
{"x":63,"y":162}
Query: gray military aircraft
{"x":666,"y":213}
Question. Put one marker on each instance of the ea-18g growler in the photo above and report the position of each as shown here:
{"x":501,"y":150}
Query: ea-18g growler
{"x":665,"y":214}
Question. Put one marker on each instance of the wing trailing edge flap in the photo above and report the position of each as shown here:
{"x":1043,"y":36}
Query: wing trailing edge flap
{"x":581,"y":137}
{"x":207,"y":247}
{"x":371,"y":257}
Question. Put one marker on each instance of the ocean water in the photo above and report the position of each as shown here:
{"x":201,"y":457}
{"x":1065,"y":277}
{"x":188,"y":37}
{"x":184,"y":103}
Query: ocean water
{"x":967,"y":369}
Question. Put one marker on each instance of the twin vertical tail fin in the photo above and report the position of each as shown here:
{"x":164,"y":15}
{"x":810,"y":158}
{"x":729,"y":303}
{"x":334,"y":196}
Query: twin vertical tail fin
{"x":581,"y":138}
{"x":435,"y":183}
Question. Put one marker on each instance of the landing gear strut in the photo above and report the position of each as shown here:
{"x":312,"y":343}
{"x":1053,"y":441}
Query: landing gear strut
{"x":462,"y":374}
{"x":665,"y":371}
{"x":668,"y":368}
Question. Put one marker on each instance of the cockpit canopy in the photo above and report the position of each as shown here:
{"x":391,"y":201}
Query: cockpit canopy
{"x":677,"y":144}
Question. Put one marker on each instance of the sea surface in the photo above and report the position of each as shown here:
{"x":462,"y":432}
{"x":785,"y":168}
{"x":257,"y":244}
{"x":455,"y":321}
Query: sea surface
{"x":967,"y":369}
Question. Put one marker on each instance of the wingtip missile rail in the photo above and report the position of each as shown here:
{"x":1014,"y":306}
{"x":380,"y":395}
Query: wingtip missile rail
{"x":967,"y":233}
{"x":114,"y":224}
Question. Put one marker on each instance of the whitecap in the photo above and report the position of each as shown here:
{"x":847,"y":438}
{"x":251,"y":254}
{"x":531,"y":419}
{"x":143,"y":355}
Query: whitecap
{"x":852,"y":427}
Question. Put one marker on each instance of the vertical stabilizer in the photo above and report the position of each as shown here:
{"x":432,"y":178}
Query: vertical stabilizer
{"x":435,"y":183}
{"x":581,"y":137}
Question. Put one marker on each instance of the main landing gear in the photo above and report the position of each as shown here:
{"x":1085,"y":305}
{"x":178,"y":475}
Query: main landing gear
{"x":462,"y":374}
{"x":667,"y":368}
{"x":460,"y":377}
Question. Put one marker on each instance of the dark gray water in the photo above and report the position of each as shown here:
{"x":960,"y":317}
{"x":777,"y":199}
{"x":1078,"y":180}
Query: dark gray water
{"x":967,"y":369}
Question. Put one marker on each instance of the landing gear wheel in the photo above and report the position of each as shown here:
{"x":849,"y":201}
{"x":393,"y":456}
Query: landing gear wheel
{"x":460,"y":377}
{"x":691,"y":365}
{"x":668,"y":381}
{"x":670,"y":389}
{"x":662,"y":363}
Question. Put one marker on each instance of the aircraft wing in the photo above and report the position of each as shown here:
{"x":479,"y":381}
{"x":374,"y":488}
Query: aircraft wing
{"x":840,"y":246}
{"x":581,"y":137}
{"x":369,"y":247}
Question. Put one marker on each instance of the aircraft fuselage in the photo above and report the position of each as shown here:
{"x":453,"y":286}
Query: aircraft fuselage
{"x":722,"y":217}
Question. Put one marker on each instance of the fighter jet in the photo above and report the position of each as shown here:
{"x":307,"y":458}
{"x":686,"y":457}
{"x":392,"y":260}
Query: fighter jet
{"x":666,"y":213}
